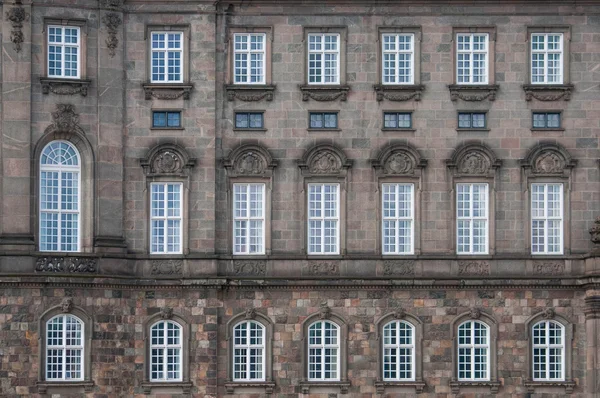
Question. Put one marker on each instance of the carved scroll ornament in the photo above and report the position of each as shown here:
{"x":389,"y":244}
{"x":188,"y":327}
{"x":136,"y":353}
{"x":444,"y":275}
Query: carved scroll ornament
{"x":17,"y":15}
{"x":249,"y":160}
{"x":167,"y":159}
{"x":324,"y":160}
{"x":112,"y":21}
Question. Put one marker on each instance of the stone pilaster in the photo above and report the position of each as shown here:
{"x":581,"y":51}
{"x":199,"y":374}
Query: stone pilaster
{"x":592,"y":328}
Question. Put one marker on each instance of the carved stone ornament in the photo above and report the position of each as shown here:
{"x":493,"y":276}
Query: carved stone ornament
{"x":67,"y":305}
{"x":112,"y":21}
{"x":548,"y":158}
{"x":399,"y":159}
{"x":66,"y":264}
{"x":323,"y":268}
{"x":250,"y":267}
{"x":65,"y":118}
{"x":592,"y":307}
{"x":474,"y":313}
{"x":549,"y":313}
{"x":548,"y":268}
{"x":324,"y":93}
{"x":324,"y":160}
{"x":166,"y":267}
{"x":324,"y":311}
{"x":398,"y":92}
{"x":473,"y":159}
{"x":398,"y":267}
{"x":249,"y":160}
{"x":250,"y":313}
{"x":113,"y":5}
{"x":474,"y":162}
{"x":473,"y":93}
{"x":167,"y":160}
{"x":542,"y":92}
{"x":473,"y":268}
{"x":399,"y":313}
{"x":166,"y":313}
{"x":548,"y":162}
{"x":249,"y":93}
{"x":17,"y":15}
{"x":595,"y":232}
{"x":65,"y":86}
{"x":167,"y":91}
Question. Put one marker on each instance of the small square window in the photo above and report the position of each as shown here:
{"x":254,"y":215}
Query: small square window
{"x":471,"y":120}
{"x":546,"y":120}
{"x":166,"y":119}
{"x":397,"y":120}
{"x":323,"y":120}
{"x":249,"y":120}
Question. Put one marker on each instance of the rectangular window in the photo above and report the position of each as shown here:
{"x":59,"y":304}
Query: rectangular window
{"x":249,"y":219}
{"x":398,"y":58}
{"x":397,"y":218}
{"x":323,"y":120}
{"x":547,"y":58}
{"x":546,"y":218}
{"x":167,"y":57}
{"x":471,"y":120}
{"x":397,"y":120}
{"x":472,"y":218}
{"x":472,"y":58}
{"x":323,"y":218}
{"x":324,"y":58}
{"x":64,"y":52}
{"x":249,"y":58}
{"x":166,"y":119}
{"x":165,"y":218}
{"x":249,"y":120}
{"x":546,"y":120}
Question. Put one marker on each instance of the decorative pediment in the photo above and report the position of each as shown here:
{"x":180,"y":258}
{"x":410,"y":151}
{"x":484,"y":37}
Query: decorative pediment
{"x":548,"y":158}
{"x":473,"y":159}
{"x":324,"y":160}
{"x":249,"y":160}
{"x":167,"y":160}
{"x":399,"y":159}
{"x":64,"y":120}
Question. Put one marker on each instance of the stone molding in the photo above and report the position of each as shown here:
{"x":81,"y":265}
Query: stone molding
{"x":268,"y":388}
{"x":471,"y":93}
{"x":16,"y":16}
{"x":473,"y":159}
{"x":548,"y":92}
{"x":548,"y":158}
{"x":64,"y":264}
{"x":324,"y":93}
{"x":456,"y":386}
{"x":398,"y":92}
{"x":113,"y":5}
{"x":250,"y":93}
{"x":324,"y":160}
{"x":170,"y":91}
{"x":167,"y":160}
{"x":592,"y":307}
{"x":112,"y":21}
{"x":249,"y":160}
{"x":398,"y":159}
{"x":65,"y":86}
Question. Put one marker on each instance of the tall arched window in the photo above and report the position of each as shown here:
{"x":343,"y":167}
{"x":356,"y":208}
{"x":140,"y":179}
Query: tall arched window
{"x":323,"y":351}
{"x":60,"y":181}
{"x":548,"y":351}
{"x":166,"y":351}
{"x":473,"y":351}
{"x":64,"y":348}
{"x":249,"y":351}
{"x":398,"y":351}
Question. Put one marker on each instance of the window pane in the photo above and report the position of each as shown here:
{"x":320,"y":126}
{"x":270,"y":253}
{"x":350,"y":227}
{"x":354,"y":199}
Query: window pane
{"x":174,"y":119}
{"x":256,"y":120}
{"x":464,"y":120}
{"x":160,"y":119}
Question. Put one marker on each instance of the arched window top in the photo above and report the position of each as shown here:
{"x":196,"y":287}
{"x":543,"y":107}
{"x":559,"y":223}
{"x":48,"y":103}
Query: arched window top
{"x":60,"y":153}
{"x":318,"y":324}
{"x":158,"y":324}
{"x":253,"y":324}
{"x":65,"y":344}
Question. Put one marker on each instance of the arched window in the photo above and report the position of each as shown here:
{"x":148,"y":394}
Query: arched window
{"x":323,"y":351}
{"x":65,"y":349}
{"x":249,"y":351}
{"x":473,"y":351}
{"x":166,"y":342}
{"x":398,"y":351}
{"x":60,"y":181}
{"x":548,"y":354}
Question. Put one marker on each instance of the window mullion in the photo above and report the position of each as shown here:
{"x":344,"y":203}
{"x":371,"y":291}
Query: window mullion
{"x":323,"y":218}
{"x":248,"y":218}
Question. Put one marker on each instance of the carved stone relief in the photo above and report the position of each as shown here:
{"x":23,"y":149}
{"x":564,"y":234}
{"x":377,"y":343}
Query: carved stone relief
{"x":166,"y":313}
{"x":112,"y":21}
{"x":595,"y":232}
{"x":396,"y":93}
{"x":324,"y":93}
{"x":66,"y":264}
{"x":324,"y":311}
{"x":473,"y":268}
{"x":249,"y":95}
{"x":167,"y":159}
{"x":250,"y":267}
{"x":548,"y":268}
{"x":399,"y":163}
{"x":323,"y":268}
{"x":549,"y":313}
{"x":167,"y":92}
{"x":67,"y":305}
{"x":166,"y":267}
{"x":473,"y":93}
{"x":65,"y":118}
{"x":250,"y":313}
{"x":167,"y":162}
{"x":325,"y":162}
{"x":398,"y":267}
{"x":548,"y":93}
{"x":548,"y":162}
{"x":113,"y":5}
{"x":474,"y":162}
{"x":17,"y":15}
{"x":62,"y":87}
{"x":249,"y":163}
{"x":399,"y":313}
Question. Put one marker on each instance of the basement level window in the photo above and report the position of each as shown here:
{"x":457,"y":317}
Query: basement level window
{"x":546,"y":120}
{"x":166,"y":119}
{"x":471,"y":120}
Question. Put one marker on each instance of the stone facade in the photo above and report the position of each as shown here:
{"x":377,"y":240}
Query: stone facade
{"x":120,"y":286}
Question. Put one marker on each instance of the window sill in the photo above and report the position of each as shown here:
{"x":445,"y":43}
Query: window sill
{"x":548,"y":92}
{"x":324,"y":92}
{"x":472,"y":130}
{"x":408,"y":130}
{"x":267,"y":387}
{"x":544,"y":129}
{"x":327,"y":129}
{"x":238,"y":130}
{"x":380,"y":386}
{"x":341,"y":386}
{"x":398,"y":92}
{"x":167,"y":91}
{"x":250,"y":92}
{"x":475,"y":92}
{"x":184,"y":387}
{"x":65,"y":387}
{"x":61,"y":86}
{"x":493,"y":386}
{"x":569,"y":386}
{"x":167,"y":128}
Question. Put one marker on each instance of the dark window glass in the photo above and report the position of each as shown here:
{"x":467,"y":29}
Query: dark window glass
{"x":546,"y":120}
{"x":249,"y":120}
{"x":397,"y":120}
{"x":468,"y":120}
{"x":166,"y":119}
{"x":323,"y":120}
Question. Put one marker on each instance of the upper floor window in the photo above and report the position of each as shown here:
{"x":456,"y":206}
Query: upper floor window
{"x":546,"y":218}
{"x":323,"y":218}
{"x":548,"y":338}
{"x":398,"y":58}
{"x":166,"y":351}
{"x":471,"y":120}
{"x":60,"y":214}
{"x":166,"y":218}
{"x":473,"y":351}
{"x":398,"y":351}
{"x":249,"y":351}
{"x":249,"y":218}
{"x":398,"y":218}
{"x":397,"y":120}
{"x":166,"y":119}
{"x":546,"y":58}
{"x":64,"y":349}
{"x":323,"y":351}
{"x":472,"y":57}
{"x":166,"y":57}
{"x":323,"y":58}
{"x":546,"y":120}
{"x":472,"y":218}
{"x":249,"y":120}
{"x":249,"y":58}
{"x":323,"y":120}
{"x":64,"y":52}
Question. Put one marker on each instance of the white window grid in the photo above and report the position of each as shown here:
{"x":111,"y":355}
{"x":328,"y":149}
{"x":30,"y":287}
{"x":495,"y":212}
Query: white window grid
{"x":472,"y":58}
{"x":249,"y":351}
{"x":472,"y":224}
{"x":398,"y":351}
{"x":547,"y":218}
{"x":473,"y":351}
{"x":249,"y":218}
{"x":323,"y":351}
{"x":166,"y":229}
{"x":249,"y":58}
{"x":324,"y":58}
{"x":546,"y":58}
{"x":64,"y":51}
{"x":398,"y":218}
{"x":323,"y":218}
{"x":64,"y":348}
{"x":398,"y":58}
{"x":60,"y":198}
{"x":166,"y":359}
{"x":548,"y":351}
{"x":166,"y":57}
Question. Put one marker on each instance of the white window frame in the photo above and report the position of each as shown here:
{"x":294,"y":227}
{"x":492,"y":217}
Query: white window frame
{"x":398,"y":347}
{"x":166,"y":347}
{"x":63,"y":45}
{"x":60,"y":169}
{"x":472,"y":346}
{"x":64,"y":347}
{"x":471,"y":53}
{"x":545,"y":53}
{"x":323,"y":52}
{"x":248,"y":219}
{"x":248,"y":52}
{"x":246,"y":348}
{"x":165,"y":50}
{"x":471,"y":219}
{"x":545,"y":218}
{"x":547,"y":346}
{"x":396,"y":55}
{"x":166,"y":218}
{"x":323,"y":219}
{"x":397,"y":218}
{"x":323,"y":347}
